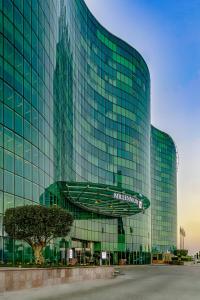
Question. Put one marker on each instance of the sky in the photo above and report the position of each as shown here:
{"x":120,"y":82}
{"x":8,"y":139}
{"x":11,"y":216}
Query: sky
{"x":167,"y":34}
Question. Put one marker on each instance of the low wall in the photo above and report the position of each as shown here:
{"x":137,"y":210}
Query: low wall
{"x":18,"y":279}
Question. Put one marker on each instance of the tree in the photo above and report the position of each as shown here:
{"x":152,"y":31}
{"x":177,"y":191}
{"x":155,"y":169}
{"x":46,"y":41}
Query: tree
{"x":37,"y":225}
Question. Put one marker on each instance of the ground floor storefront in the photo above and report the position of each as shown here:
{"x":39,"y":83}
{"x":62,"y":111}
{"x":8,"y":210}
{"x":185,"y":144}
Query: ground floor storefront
{"x":71,"y":252}
{"x":111,"y":226}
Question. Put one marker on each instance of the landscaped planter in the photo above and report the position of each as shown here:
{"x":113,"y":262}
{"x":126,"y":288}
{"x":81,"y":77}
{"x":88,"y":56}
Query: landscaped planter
{"x":16,"y":279}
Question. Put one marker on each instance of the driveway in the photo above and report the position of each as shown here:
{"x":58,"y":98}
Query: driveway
{"x":135,"y":283}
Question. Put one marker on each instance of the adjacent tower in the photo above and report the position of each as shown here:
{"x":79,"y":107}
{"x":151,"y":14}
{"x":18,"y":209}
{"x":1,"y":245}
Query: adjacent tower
{"x":163,"y":192}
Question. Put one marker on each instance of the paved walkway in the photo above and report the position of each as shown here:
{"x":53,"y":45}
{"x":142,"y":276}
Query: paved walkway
{"x":137,"y":283}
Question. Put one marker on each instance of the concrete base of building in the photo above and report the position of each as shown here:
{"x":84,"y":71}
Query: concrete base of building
{"x":12,"y":279}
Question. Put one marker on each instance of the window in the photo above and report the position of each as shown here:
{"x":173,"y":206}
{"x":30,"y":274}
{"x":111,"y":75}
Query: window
{"x":35,"y":174}
{"x":27,"y":31}
{"x":35,"y":193}
{"x":18,"y":62}
{"x":19,"y":201}
{"x":8,"y":139}
{"x":18,"y":145}
{"x":27,"y":189}
{"x":27,"y":90}
{"x":8,"y":182}
{"x":27,"y":130}
{"x":9,"y":161}
{"x":19,"y":82}
{"x":18,"y":41}
{"x":8,"y":95}
{"x":18,"y":20}
{"x":34,"y":136}
{"x":34,"y":155}
{"x":8,"y":9}
{"x":27,"y":150}
{"x":8,"y":29}
{"x":8,"y":73}
{"x":8,"y":51}
{"x":8,"y":201}
{"x":27,"y":170}
{"x":18,"y":124}
{"x":18,"y":104}
{"x":27,"y":111}
{"x":18,"y":165}
{"x":18,"y":186}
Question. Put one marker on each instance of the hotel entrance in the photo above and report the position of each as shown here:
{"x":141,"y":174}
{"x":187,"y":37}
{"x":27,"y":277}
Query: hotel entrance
{"x":89,"y":253}
{"x":102,"y":232}
{"x":83,"y":252}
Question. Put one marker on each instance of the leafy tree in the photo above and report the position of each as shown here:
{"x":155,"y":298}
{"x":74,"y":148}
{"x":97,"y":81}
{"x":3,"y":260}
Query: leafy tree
{"x":37,"y":225}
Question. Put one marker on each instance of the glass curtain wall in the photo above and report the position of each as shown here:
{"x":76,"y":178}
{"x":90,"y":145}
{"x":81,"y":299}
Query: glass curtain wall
{"x":28,"y":38}
{"x":75,"y":107}
{"x":110,"y":104}
{"x":163,"y":192}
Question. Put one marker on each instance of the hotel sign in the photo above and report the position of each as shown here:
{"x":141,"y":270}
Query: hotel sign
{"x":128,"y":198}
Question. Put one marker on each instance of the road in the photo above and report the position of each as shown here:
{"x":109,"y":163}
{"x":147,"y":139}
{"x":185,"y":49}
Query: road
{"x":137,"y":283}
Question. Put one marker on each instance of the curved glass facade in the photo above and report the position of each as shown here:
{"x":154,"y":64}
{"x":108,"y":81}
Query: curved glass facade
{"x":110,"y":98}
{"x":74,"y":107}
{"x":163,"y":192}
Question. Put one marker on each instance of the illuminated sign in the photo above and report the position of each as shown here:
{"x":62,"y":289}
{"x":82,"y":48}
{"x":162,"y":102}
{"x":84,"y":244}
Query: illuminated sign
{"x":128,"y":198}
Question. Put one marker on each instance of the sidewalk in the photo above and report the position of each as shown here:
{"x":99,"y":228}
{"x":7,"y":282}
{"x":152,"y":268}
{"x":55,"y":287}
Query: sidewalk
{"x":58,"y":291}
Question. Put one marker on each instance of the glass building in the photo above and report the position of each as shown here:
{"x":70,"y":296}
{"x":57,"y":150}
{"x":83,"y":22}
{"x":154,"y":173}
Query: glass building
{"x":75,"y":132}
{"x":163,"y":192}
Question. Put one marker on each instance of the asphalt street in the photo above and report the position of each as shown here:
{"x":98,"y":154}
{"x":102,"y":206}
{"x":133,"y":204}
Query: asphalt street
{"x":136,"y":283}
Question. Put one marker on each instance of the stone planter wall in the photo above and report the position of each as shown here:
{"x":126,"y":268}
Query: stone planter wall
{"x":16,"y":279}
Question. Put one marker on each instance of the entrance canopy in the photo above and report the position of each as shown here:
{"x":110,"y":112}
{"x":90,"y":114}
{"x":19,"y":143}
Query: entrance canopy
{"x":101,"y":198}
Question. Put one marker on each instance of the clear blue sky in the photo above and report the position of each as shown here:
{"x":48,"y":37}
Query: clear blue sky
{"x":167,"y":34}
